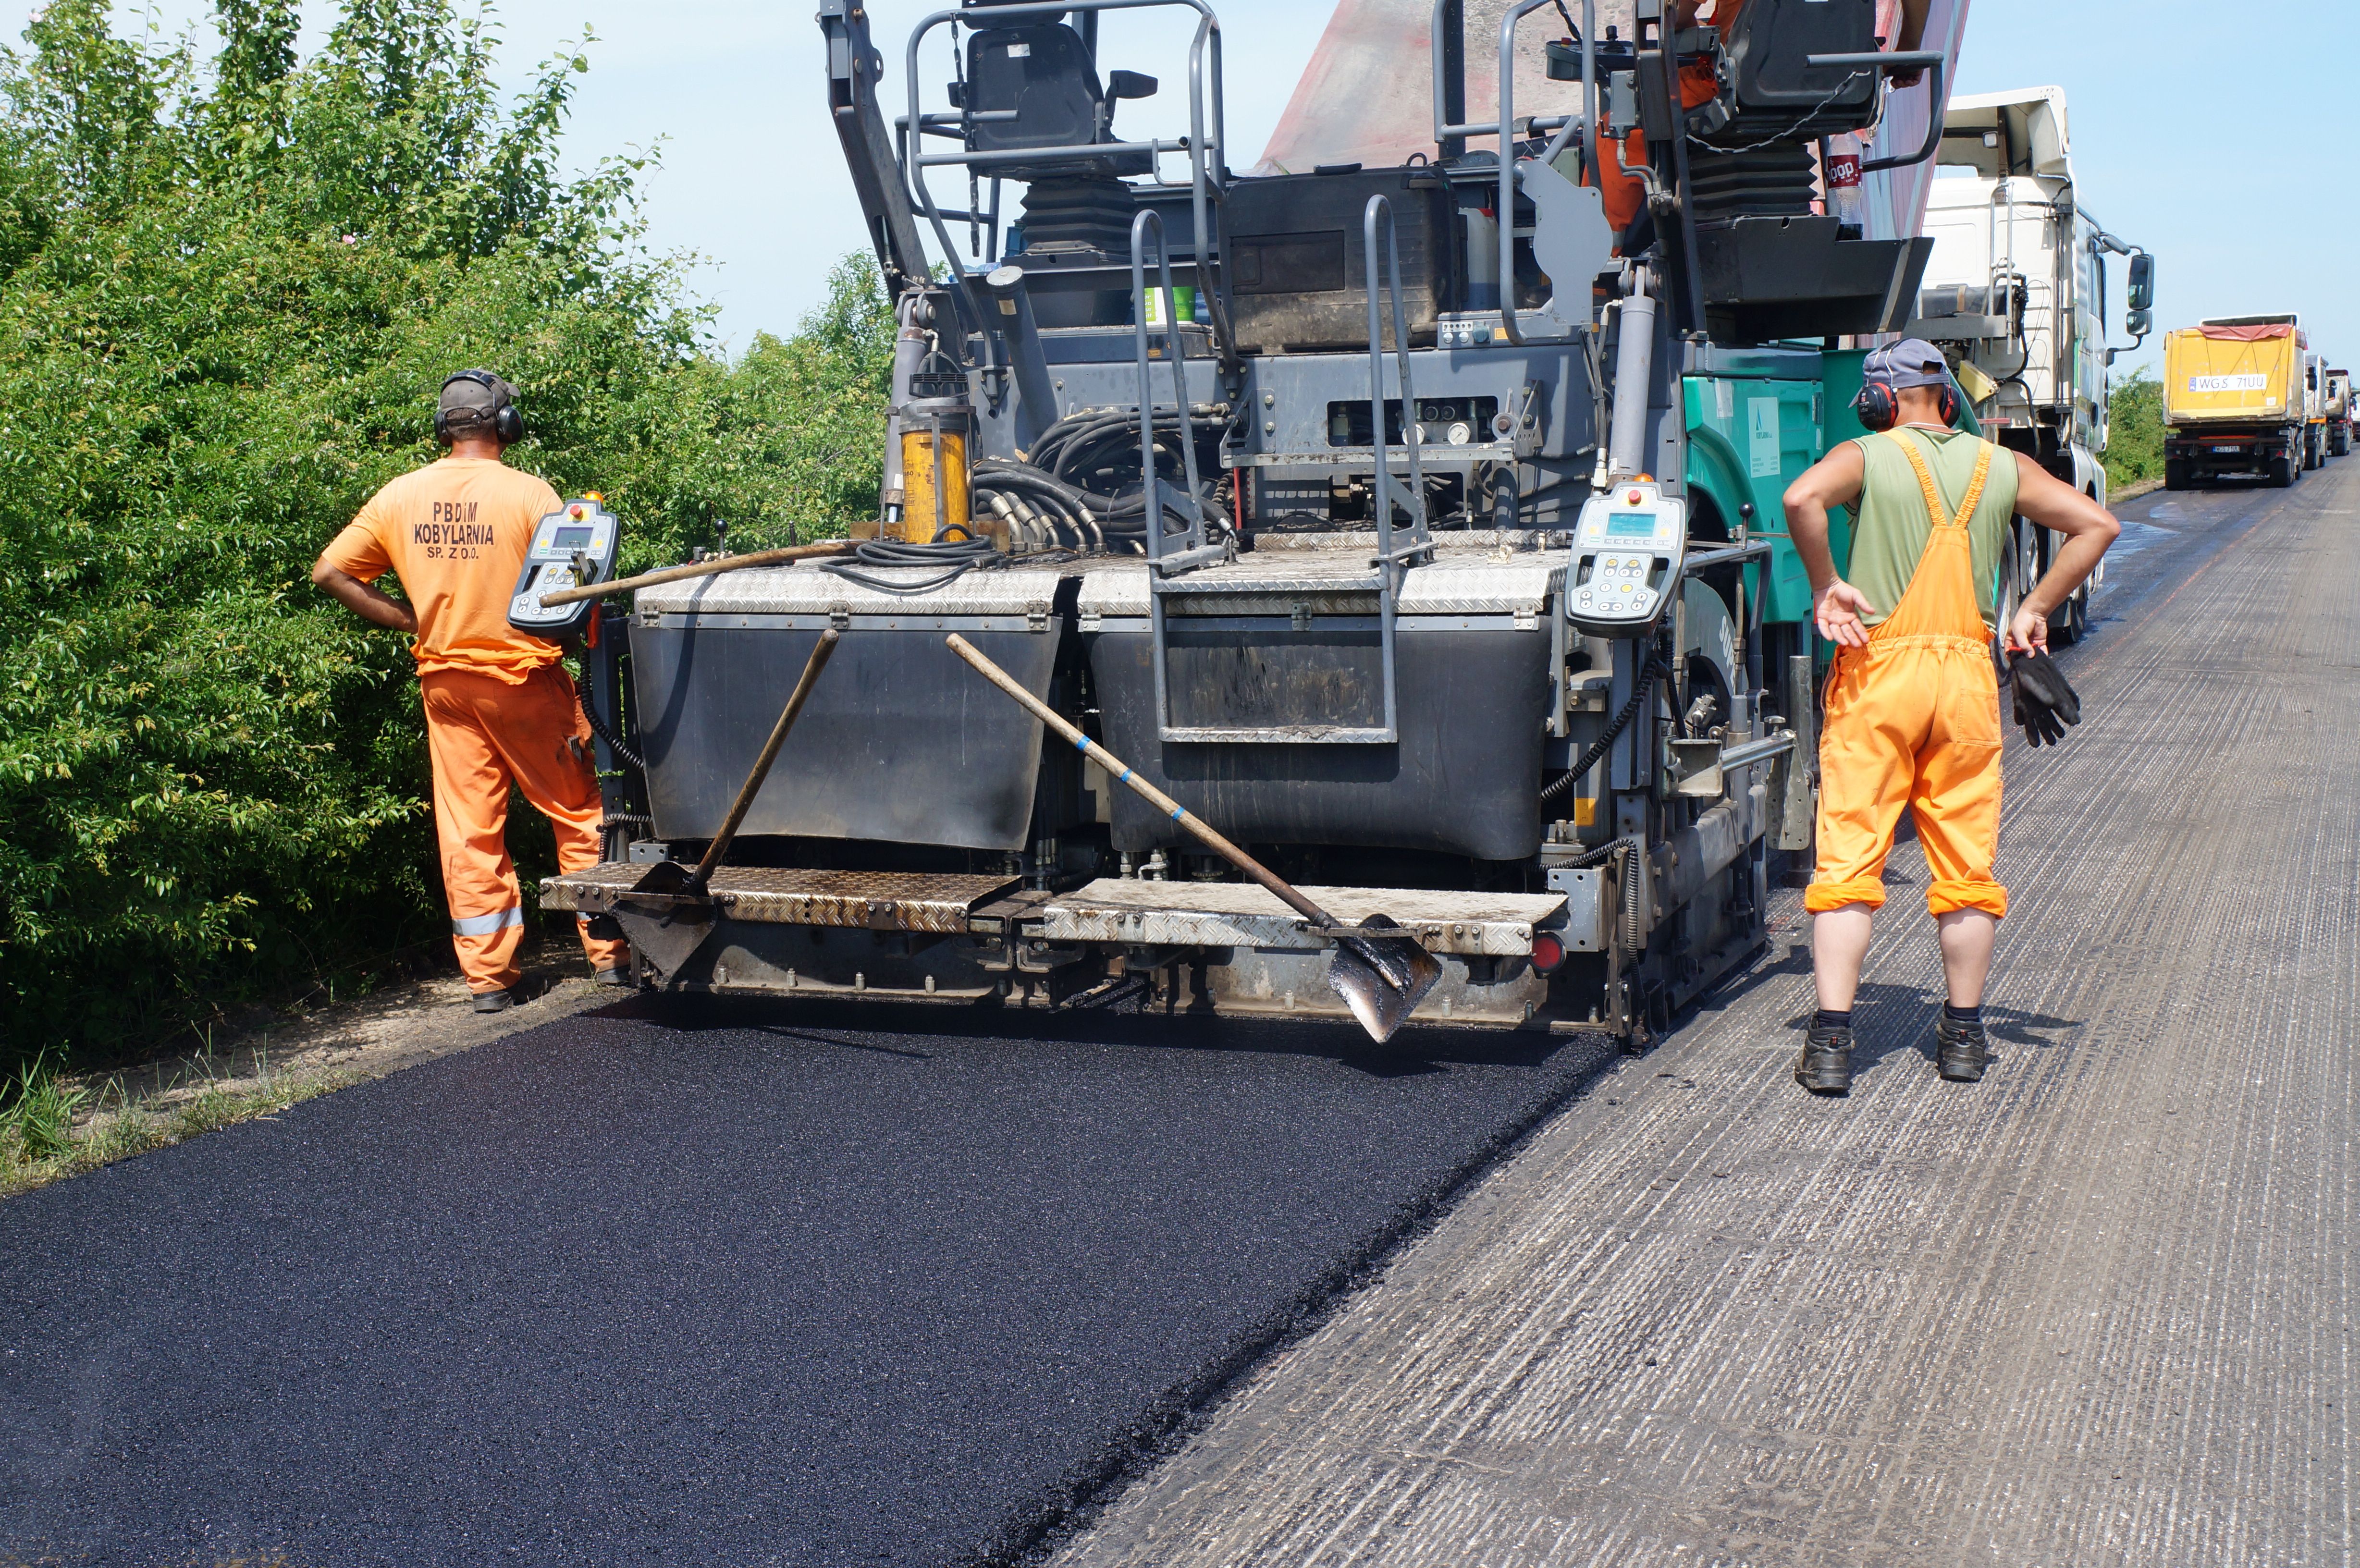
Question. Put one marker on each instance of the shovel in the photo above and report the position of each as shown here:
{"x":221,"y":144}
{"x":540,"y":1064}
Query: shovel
{"x":668,"y":913}
{"x":1380,"y":971}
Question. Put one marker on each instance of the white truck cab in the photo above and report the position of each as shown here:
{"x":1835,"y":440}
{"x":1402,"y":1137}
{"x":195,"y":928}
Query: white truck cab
{"x":2015,"y":292}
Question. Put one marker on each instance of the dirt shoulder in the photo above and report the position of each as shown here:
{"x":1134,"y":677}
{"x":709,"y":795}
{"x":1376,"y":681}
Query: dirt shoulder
{"x":276,"y":1060}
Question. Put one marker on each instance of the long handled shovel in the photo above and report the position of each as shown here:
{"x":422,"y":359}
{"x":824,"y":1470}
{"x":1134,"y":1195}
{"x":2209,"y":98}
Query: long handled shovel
{"x":1380,"y":970}
{"x":668,"y":912}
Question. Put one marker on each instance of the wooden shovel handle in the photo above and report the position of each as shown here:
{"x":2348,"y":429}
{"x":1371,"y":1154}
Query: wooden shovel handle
{"x":1123,"y":775}
{"x":753,"y":785}
{"x":719,"y":563}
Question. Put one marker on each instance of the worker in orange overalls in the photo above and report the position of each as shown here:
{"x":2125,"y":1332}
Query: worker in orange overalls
{"x":1620,"y":194}
{"x":1913,"y":701}
{"x":499,"y":710}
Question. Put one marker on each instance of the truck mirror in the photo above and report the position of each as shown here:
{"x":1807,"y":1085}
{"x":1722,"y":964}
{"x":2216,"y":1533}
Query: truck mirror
{"x":2142,"y":283}
{"x":1129,"y":84}
{"x":2140,"y":323}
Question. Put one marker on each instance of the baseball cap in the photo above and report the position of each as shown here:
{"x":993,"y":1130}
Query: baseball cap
{"x":1912,"y":362}
{"x":471,"y":397}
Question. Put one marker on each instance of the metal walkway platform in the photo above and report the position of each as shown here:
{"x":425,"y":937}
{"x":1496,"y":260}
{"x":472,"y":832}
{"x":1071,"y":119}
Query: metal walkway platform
{"x":2098,"y":1310}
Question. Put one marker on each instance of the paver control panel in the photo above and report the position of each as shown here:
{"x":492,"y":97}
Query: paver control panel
{"x":1628,"y":549}
{"x":572,"y":546}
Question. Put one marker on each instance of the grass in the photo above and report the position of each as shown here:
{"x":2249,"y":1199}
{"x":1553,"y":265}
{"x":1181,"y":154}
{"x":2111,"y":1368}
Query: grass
{"x":51,"y":1129}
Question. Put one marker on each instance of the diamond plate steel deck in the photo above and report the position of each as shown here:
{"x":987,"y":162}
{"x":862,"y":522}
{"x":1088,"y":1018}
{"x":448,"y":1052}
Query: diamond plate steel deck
{"x":1239,"y":914}
{"x":873,"y":900}
{"x":1499,"y":582}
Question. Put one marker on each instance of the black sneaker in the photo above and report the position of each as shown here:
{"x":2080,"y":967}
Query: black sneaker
{"x":1961,"y":1050}
{"x":1825,"y":1066}
{"x":493,"y":1001}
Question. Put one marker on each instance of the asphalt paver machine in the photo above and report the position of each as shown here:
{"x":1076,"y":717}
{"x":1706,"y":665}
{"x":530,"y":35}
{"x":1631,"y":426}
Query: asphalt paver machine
{"x":1395,"y":514}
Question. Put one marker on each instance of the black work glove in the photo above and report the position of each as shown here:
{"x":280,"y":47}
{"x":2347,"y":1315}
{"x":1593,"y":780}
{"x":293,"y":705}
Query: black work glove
{"x":2045,"y":704}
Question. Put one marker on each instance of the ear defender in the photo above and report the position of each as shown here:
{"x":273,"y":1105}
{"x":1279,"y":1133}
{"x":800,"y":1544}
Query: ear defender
{"x":1877,"y":405}
{"x":506,"y":423}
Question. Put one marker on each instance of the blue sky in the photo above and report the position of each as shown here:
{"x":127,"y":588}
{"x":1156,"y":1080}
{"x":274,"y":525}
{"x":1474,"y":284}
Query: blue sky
{"x":2230,"y":154}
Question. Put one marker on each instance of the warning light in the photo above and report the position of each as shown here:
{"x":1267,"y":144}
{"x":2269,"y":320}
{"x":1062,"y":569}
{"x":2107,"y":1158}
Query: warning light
{"x":1548,"y":952}
{"x":594,"y":496}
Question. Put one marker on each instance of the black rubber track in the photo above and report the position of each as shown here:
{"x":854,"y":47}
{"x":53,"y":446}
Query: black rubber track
{"x":683,"y":1284}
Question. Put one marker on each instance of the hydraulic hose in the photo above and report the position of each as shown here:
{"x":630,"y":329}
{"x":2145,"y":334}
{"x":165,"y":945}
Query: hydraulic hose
{"x":955,"y":558}
{"x":598,"y":727}
{"x":1614,"y":728}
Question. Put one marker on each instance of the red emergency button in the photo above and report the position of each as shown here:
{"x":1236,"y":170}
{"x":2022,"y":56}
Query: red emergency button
{"x":577,"y":514}
{"x":1633,"y":497}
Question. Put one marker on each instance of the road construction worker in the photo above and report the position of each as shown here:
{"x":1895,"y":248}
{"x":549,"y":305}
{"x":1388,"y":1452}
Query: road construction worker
{"x":499,"y":709}
{"x":1913,"y":715}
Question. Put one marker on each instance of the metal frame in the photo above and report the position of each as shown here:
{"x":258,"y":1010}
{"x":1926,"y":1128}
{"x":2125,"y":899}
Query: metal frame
{"x":1445,"y":132}
{"x":1205,"y":155}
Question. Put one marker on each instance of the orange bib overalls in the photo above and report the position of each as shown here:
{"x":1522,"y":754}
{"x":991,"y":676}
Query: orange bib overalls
{"x":1913,"y":719}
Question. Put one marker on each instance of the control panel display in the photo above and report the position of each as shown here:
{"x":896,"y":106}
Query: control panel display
{"x":1627,"y":553}
{"x":572,"y":547}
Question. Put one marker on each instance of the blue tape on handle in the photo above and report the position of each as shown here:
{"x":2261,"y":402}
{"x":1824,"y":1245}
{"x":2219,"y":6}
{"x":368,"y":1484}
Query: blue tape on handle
{"x":1177,"y":814}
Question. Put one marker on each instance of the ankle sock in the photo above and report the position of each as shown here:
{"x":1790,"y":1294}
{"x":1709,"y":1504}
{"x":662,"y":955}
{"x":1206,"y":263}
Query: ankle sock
{"x":1827,"y":1019}
{"x":1973,"y":1015}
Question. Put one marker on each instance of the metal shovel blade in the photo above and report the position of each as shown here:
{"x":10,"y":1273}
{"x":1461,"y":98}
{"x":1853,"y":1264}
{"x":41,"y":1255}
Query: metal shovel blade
{"x":1382,"y":978}
{"x":667,"y":916}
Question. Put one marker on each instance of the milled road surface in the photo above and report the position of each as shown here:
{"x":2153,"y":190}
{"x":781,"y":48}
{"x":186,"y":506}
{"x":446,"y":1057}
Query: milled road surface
{"x":699,"y":1287}
{"x":2095,"y":1310}
{"x":694,"y":1287}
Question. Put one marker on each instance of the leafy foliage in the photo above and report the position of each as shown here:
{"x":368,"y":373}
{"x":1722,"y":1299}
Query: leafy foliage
{"x":2135,"y":430}
{"x":229,"y":291}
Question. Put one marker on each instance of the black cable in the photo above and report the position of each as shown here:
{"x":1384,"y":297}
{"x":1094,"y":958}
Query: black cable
{"x":598,"y":728}
{"x":1622,"y":720}
{"x":956,"y":557}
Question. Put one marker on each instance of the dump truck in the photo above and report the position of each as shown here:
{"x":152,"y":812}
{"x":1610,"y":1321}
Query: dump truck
{"x":2235,"y":400}
{"x":2016,"y":293}
{"x":1429,"y":547}
{"x":2339,"y":413}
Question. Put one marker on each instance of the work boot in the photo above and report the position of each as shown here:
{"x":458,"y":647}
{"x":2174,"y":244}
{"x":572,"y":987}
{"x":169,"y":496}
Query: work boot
{"x":1961,"y":1050}
{"x":495,"y":1001}
{"x":619,"y":976}
{"x":1825,"y":1066}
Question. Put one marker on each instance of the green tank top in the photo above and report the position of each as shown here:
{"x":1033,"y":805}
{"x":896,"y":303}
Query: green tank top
{"x":1890,"y":524}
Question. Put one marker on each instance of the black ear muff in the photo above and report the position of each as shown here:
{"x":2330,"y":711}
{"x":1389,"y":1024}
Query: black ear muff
{"x":1877,"y":405}
{"x":1947,"y":400}
{"x":509,"y":425}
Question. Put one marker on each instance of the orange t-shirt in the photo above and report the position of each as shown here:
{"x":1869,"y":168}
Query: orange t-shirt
{"x":455,"y":532}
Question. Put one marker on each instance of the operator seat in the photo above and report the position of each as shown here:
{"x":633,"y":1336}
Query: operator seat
{"x":1753,"y":148}
{"x":1043,"y":72}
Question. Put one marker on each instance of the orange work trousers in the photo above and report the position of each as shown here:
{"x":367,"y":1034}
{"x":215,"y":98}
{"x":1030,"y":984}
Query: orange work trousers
{"x":486,"y":736}
{"x":1913,"y":722}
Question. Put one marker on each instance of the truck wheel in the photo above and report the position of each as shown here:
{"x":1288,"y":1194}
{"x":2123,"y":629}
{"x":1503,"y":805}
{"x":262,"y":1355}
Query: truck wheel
{"x":2175,"y":474}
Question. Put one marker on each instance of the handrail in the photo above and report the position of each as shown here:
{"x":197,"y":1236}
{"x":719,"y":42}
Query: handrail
{"x":1151,"y":487}
{"x":1414,"y":502}
{"x":1506,"y":129}
{"x":916,"y":161}
{"x":1885,"y":64}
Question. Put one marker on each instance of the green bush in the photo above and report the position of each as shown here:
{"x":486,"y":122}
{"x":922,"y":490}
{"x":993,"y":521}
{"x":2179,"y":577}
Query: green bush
{"x":2135,"y":430}
{"x":229,"y":291}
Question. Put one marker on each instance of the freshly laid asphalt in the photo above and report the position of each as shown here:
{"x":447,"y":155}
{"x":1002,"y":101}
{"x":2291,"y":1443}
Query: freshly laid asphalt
{"x":680,"y":1283}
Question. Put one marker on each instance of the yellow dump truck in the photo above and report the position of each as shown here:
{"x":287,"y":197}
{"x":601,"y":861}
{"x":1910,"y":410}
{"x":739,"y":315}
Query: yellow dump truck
{"x":2235,"y":400}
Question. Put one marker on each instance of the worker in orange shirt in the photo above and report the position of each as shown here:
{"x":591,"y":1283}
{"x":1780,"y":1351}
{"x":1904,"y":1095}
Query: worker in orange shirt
{"x":499,"y":709}
{"x":1621,"y":193}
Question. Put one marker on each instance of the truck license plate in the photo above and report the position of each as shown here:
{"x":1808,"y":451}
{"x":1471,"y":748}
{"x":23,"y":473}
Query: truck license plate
{"x":2224,"y":448}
